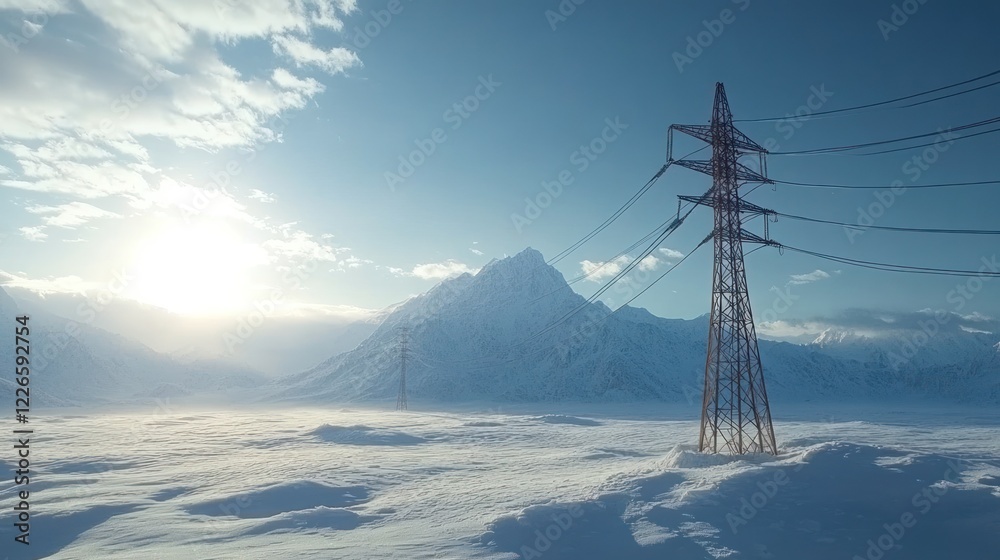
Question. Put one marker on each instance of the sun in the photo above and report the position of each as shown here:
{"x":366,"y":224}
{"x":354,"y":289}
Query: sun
{"x":196,"y":269}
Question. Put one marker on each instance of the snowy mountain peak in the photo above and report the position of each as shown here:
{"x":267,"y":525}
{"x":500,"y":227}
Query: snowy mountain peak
{"x":835,"y":336}
{"x":525,"y":260}
{"x":524,"y":273}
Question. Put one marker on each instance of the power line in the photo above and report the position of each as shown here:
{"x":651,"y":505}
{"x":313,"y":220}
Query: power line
{"x":907,"y":187}
{"x":836,"y":149}
{"x":672,"y":227}
{"x":620,"y":254}
{"x":627,"y":250}
{"x":691,"y":252}
{"x":890,"y":228}
{"x":676,"y":223}
{"x":906,"y":148}
{"x":950,"y":95}
{"x":628,"y":204}
{"x":890,"y":101}
{"x":666,"y":233}
{"x":890,"y":267}
{"x":622,"y":273}
{"x":597,"y":322}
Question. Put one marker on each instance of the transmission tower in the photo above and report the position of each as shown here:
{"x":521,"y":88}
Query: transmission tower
{"x":735,"y":413}
{"x":403,"y":350}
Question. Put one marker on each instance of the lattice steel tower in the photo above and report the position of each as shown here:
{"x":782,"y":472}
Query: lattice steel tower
{"x":735,"y":413}
{"x":403,"y":351}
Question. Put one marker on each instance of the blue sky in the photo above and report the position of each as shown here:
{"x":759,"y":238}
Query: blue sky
{"x":300,"y":114}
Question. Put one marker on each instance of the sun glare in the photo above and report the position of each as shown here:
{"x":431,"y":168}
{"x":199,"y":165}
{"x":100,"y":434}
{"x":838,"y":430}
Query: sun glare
{"x":194,"y":270}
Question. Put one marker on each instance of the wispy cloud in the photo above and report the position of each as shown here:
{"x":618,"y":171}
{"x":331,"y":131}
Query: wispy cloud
{"x":814,"y":276}
{"x":441,"y":270}
{"x":649,"y":263}
{"x":303,"y":53}
{"x":874,"y":323}
{"x":300,"y":246}
{"x":598,"y":271}
{"x":33,"y":233}
{"x":137,"y":74}
{"x":45,"y":286}
{"x":671,"y":253}
{"x":70,"y":215}
{"x":259,"y":195}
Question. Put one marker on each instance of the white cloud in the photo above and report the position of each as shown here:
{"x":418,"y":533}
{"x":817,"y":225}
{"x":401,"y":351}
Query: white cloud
{"x":439,"y":271}
{"x":70,"y":215}
{"x":108,"y":87}
{"x":35,"y":6}
{"x":670,"y":253}
{"x":34,"y":233}
{"x":327,"y":311}
{"x":189,"y":200}
{"x":813,"y":276}
{"x":262,"y":196}
{"x":598,"y":271}
{"x":649,"y":263}
{"x":791,"y":329}
{"x":476,"y":252}
{"x":44,"y":286}
{"x":353,"y":262}
{"x":79,"y":110}
{"x":300,"y":246}
{"x":166,"y":29}
{"x":303,"y":53}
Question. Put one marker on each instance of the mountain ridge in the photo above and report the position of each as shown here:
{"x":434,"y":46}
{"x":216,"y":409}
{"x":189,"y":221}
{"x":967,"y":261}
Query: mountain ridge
{"x":488,"y":336}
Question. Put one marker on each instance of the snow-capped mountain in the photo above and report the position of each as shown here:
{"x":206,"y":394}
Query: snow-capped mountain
{"x":489,"y":337}
{"x":75,"y":363}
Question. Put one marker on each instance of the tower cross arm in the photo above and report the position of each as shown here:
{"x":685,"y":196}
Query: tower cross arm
{"x":744,"y":143}
{"x":702,"y":132}
{"x":743,"y":173}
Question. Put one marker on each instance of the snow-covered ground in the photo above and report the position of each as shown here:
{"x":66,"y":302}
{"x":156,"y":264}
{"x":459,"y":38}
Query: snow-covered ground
{"x":578,"y":481}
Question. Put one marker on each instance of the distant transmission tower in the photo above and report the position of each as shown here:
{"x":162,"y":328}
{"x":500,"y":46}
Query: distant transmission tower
{"x":403,"y":350}
{"x":735,"y":414}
